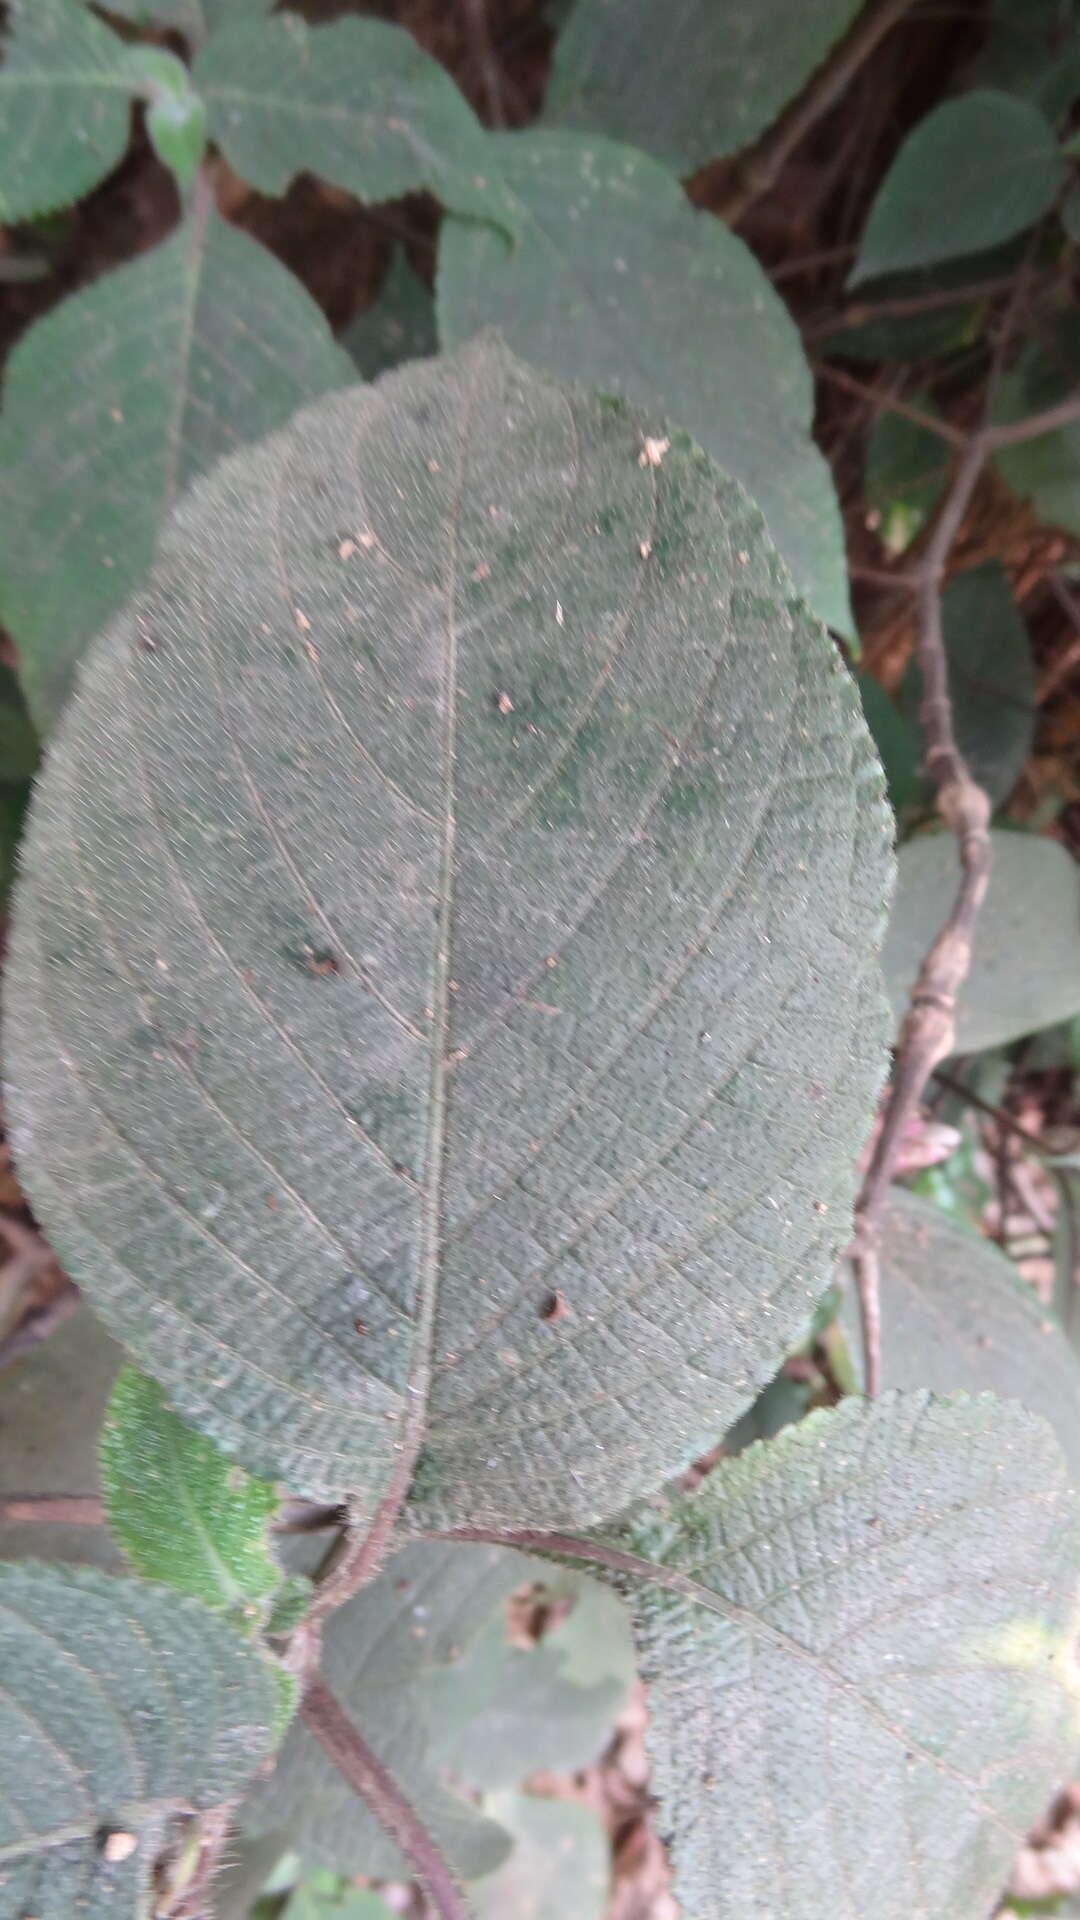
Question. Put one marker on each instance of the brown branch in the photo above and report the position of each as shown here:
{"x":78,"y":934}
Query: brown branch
{"x":330,"y":1725}
{"x":68,"y":1509}
{"x":1012,"y":433}
{"x":760,"y":167}
{"x":903,"y":305}
{"x":892,"y":403}
{"x":928,"y":1030}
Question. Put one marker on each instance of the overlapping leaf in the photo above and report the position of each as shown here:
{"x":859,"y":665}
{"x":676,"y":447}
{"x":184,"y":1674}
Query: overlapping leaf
{"x":444,"y":998}
{"x":616,"y":280}
{"x":991,"y":678}
{"x":359,"y":103}
{"x":52,"y":1403}
{"x":956,"y":1314}
{"x":560,"y":1864}
{"x":114,"y":402}
{"x":1045,"y":470}
{"x":65,"y":104}
{"x":857,"y":1643}
{"x":182,"y":1513}
{"x":121,"y":1704}
{"x":398,"y":325}
{"x":690,"y":82}
{"x":974,"y":172}
{"x":1024,"y":968}
{"x":196,"y":19}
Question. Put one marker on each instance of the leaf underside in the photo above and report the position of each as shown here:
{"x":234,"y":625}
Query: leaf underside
{"x":444,"y":991}
{"x":114,"y":402}
{"x":858,"y":1657}
{"x":618,"y":281}
{"x":121,"y":1704}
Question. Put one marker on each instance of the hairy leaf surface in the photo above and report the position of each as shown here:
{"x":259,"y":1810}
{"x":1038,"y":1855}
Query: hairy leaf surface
{"x":445,"y":998}
{"x":182,"y":1513}
{"x":359,"y":103}
{"x":121,"y":1704}
{"x":114,"y":402}
{"x":974,"y":172}
{"x":618,"y":281}
{"x":956,"y":1314}
{"x":856,"y":1639}
{"x":64,"y":103}
{"x":690,"y":81}
{"x":1024,"y":963}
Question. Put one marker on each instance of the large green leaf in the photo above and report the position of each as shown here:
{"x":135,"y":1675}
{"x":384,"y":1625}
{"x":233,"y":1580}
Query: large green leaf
{"x":359,"y":103}
{"x":991,"y":678}
{"x":64,"y":103}
{"x":1025,"y":968}
{"x":618,"y":281}
{"x":52,"y":1403}
{"x":386,"y":1654}
{"x":689,"y":81}
{"x":121,"y":1704}
{"x":444,"y":990}
{"x":857,"y":1645}
{"x":183,"y":1515}
{"x":956,"y":1314}
{"x":1045,"y":470}
{"x":974,"y":172}
{"x":114,"y":402}
{"x":906,"y":466}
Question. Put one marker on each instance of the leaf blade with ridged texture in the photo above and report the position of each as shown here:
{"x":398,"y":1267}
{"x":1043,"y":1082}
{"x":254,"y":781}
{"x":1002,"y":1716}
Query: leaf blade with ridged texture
{"x":856,"y":1639}
{"x":358,"y":103}
{"x":114,"y":402}
{"x":65,"y":96}
{"x":974,"y":172}
{"x":688,"y":83}
{"x":182,"y":1513}
{"x":957,"y":1315}
{"x":1025,"y":962}
{"x":445,"y":663}
{"x":616,"y":280}
{"x":121,"y":1704}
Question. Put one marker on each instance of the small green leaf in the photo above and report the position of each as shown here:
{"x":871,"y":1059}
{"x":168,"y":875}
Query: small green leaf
{"x":690,"y":82}
{"x":897,"y":742}
{"x":559,"y":1869}
{"x":121,"y":1704}
{"x":881,"y":1604}
{"x":183,"y":1514}
{"x":328,"y":1896}
{"x":958,"y":1315}
{"x":65,"y":101}
{"x":974,"y":172}
{"x":618,"y":282}
{"x":175,"y":115}
{"x":991,"y":678}
{"x":399,"y":324}
{"x":906,"y":466}
{"x":195,"y":348}
{"x":1045,"y":470}
{"x":358,"y":103}
{"x":1032,"y":48}
{"x":1024,"y":969}
{"x":52,"y":1403}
